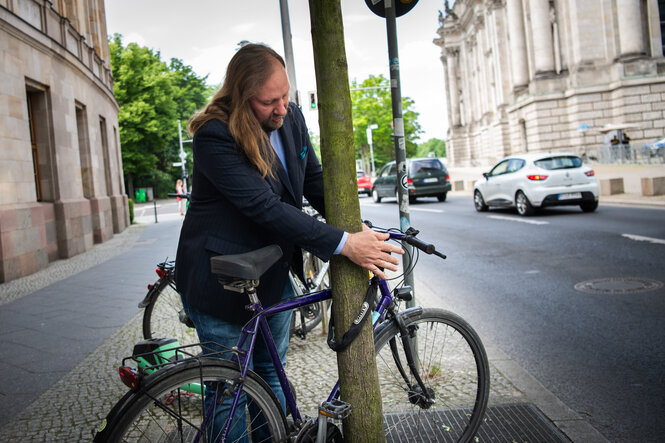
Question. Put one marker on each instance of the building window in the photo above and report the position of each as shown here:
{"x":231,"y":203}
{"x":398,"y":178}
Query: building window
{"x":118,"y":158}
{"x":85,"y":157}
{"x":40,"y":140}
{"x":105,"y":155}
{"x":525,"y":142}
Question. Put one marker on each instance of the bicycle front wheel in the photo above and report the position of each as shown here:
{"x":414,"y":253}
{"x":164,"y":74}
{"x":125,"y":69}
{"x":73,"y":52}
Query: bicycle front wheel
{"x":170,"y":407}
{"x":451,"y":361}
{"x":164,"y":316}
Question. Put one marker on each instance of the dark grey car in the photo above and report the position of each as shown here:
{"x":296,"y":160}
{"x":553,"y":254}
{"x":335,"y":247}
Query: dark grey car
{"x":426,"y":177}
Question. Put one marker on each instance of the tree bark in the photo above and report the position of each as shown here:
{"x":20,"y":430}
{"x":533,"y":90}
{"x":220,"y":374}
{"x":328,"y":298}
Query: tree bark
{"x":357,"y":365}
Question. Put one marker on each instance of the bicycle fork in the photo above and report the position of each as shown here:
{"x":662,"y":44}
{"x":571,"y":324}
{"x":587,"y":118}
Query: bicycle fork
{"x":419,"y":394}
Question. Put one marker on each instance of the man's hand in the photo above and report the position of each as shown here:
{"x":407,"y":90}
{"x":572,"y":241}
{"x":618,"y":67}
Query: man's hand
{"x":370,"y":250}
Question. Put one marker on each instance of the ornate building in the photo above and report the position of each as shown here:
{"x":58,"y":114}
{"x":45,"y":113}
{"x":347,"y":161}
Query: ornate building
{"x":61,"y":181}
{"x":541,"y":75}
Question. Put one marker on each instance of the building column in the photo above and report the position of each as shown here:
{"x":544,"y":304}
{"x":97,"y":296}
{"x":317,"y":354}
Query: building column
{"x":631,"y":42}
{"x":453,"y":88}
{"x":541,"y":30}
{"x":518,"y":55}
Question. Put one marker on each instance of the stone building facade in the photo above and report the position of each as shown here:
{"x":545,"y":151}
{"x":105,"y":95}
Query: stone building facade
{"x":546,"y":75}
{"x":61,"y":180}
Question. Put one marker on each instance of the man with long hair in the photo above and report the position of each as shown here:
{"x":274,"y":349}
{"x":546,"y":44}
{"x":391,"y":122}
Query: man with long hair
{"x":253,"y":162}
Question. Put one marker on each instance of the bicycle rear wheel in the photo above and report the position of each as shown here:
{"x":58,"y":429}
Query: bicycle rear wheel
{"x":164,"y":316}
{"x":165,"y":408}
{"x":452,"y":363}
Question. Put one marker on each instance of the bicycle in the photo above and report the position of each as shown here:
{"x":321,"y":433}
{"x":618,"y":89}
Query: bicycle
{"x":162,"y":303}
{"x":432,"y":368}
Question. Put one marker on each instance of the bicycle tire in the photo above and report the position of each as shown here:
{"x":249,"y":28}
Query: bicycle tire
{"x":146,"y":415}
{"x":314,"y":266}
{"x":306,"y":318}
{"x":453,"y":365}
{"x":164,"y":315}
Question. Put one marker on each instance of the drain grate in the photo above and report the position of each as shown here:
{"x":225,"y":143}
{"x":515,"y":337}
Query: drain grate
{"x":623,"y":285}
{"x":521,"y":423}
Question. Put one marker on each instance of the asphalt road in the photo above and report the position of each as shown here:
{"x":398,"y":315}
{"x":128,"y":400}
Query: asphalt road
{"x":513,"y":279}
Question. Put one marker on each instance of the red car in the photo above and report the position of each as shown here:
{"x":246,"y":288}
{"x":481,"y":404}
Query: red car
{"x":364,"y":183}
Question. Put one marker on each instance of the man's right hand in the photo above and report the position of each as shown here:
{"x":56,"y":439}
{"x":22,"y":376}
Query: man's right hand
{"x":370,"y":250}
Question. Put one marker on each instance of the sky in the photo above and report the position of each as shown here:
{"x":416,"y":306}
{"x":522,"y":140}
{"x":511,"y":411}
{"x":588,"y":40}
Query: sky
{"x":205,"y":34}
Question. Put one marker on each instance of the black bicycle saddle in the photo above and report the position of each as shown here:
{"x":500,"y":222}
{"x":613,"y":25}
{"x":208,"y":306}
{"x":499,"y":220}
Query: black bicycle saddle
{"x":246,"y":266}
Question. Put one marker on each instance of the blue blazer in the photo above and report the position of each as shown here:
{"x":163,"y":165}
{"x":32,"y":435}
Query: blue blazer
{"x":233,"y":210}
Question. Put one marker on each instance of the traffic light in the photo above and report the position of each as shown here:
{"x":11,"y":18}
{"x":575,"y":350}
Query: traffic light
{"x":312,"y":100}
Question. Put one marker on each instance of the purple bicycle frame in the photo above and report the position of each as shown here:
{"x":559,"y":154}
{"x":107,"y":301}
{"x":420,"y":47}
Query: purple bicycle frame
{"x":259,"y":323}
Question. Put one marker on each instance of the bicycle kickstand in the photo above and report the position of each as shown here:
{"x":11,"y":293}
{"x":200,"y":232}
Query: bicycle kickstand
{"x":336,"y":410}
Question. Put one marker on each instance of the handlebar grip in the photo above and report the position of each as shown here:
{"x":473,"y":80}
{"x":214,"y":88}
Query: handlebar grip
{"x":427,"y":248}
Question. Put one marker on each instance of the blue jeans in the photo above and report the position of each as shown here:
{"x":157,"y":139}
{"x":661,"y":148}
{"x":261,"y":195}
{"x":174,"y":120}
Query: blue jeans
{"x":213,"y":329}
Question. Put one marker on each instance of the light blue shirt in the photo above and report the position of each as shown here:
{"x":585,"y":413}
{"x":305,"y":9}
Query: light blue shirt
{"x":276,"y":142}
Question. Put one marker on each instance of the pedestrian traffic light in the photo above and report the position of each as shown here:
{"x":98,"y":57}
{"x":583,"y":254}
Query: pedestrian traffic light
{"x":312,"y":100}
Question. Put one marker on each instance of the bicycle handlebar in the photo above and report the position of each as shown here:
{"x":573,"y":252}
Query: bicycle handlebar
{"x":410,"y":237}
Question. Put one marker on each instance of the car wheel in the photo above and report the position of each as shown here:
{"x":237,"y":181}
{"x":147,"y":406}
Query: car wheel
{"x":442,"y":197}
{"x":479,"y":202}
{"x":523,"y":204}
{"x":589,"y":206}
{"x":375,"y":196}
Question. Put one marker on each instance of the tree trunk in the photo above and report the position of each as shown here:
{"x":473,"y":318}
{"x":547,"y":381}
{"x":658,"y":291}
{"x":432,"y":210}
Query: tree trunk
{"x":356,"y":364}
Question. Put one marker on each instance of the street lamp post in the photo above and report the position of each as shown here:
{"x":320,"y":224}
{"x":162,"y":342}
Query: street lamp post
{"x":288,"y":50}
{"x":371,"y":150}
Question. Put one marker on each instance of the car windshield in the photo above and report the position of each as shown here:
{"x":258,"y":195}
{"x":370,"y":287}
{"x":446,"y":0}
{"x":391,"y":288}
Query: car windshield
{"x":360,"y":173}
{"x":424,"y":166}
{"x":559,"y":162}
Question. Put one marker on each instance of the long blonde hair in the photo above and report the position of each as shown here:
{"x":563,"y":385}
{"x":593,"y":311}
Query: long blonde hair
{"x":248,"y":70}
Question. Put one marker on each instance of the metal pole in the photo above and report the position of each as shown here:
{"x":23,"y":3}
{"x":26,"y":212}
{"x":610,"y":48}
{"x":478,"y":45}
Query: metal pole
{"x":288,"y":50}
{"x":400,"y":144}
{"x":182,"y":158}
{"x":154,"y":205}
{"x":371,"y":149}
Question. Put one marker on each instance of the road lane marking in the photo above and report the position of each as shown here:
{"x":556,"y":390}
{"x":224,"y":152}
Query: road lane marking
{"x":658,"y":241}
{"x":412,"y":209}
{"x":438,"y":211}
{"x":521,"y":220}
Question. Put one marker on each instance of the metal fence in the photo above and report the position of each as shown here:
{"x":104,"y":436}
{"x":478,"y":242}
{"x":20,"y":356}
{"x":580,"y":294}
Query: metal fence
{"x":623,"y":154}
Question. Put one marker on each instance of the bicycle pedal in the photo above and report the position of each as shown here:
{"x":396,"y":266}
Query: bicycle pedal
{"x":335,"y":409}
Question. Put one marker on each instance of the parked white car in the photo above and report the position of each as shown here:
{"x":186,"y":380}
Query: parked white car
{"x":531,"y":181}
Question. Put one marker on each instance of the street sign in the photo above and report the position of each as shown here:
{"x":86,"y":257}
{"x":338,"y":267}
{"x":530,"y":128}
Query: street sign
{"x":401,"y":6}
{"x":177,"y":164}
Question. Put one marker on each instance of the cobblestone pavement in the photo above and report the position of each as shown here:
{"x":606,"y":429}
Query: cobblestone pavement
{"x":73,"y":408}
